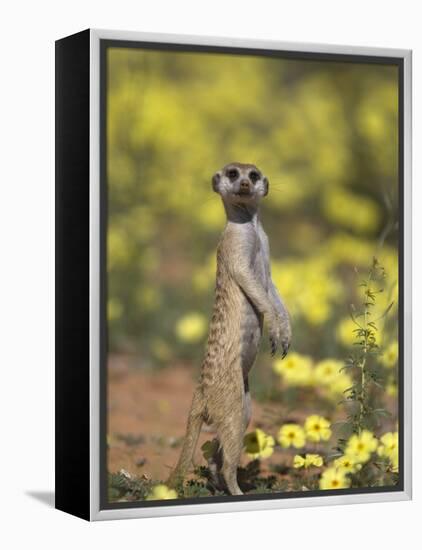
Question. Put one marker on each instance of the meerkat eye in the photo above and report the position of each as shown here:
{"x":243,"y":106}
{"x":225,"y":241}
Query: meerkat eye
{"x":232,"y":174}
{"x":254,"y":176}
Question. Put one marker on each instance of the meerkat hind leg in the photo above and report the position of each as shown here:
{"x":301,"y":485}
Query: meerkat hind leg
{"x":230,"y":434}
{"x":215,"y":463}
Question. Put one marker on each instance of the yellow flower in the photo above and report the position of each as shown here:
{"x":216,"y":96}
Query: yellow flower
{"x":341,"y":383}
{"x":161,"y":492}
{"x":348,"y":463}
{"x":351,"y":210}
{"x":390,"y":356}
{"x":361,"y":446}
{"x":391,"y":389}
{"x":345,"y":331}
{"x":296,"y":369}
{"x":317,"y":428}
{"x":313,"y":460}
{"x":307,"y":461}
{"x":258,"y":444}
{"x":309,"y":286}
{"x":191,"y":328}
{"x":389,"y":447}
{"x":395,"y":463}
{"x":291,"y":435}
{"x":334,"y":478}
{"x":347,"y":335}
{"x":298,"y":461}
{"x":327,"y":371}
{"x":318,"y":310}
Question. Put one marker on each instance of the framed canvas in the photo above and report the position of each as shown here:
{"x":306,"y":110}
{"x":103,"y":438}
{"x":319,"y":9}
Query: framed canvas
{"x":233,"y":274}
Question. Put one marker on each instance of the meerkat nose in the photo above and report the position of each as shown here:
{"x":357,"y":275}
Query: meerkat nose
{"x":244,"y":184}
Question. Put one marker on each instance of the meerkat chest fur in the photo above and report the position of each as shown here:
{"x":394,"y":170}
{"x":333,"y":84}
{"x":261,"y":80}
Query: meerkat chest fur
{"x":251,"y":320}
{"x":236,"y":324}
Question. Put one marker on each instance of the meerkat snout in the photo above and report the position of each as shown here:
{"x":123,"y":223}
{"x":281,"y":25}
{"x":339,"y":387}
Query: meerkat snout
{"x":240,"y":183}
{"x":244,"y":187}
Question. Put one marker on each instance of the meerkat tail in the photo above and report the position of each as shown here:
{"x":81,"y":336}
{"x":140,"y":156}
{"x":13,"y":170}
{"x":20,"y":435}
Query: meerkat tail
{"x":189,"y":444}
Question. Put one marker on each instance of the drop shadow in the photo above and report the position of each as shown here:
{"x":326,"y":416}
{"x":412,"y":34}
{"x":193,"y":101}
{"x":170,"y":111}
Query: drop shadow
{"x":45,"y":497}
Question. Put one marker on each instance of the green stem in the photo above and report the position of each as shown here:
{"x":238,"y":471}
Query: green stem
{"x":362,"y":395}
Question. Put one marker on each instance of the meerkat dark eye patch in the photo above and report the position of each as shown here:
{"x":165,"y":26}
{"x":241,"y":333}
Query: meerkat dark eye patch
{"x":232,"y":173}
{"x":253,"y":176}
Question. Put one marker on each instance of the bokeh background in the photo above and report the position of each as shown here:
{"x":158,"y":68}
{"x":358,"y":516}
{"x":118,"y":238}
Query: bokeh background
{"x":326,"y":135}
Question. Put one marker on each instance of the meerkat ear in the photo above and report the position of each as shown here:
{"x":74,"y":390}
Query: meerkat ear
{"x":215,"y":181}
{"x":266,"y":186}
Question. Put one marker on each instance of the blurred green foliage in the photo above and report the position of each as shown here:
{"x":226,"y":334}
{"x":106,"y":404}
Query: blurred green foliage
{"x":325,"y":134}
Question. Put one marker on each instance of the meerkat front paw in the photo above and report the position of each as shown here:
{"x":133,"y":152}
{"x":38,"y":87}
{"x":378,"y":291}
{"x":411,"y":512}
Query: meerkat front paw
{"x":275,"y":336}
{"x":280,"y":336}
{"x":286,"y":338}
{"x":273,"y":345}
{"x":285,"y":345}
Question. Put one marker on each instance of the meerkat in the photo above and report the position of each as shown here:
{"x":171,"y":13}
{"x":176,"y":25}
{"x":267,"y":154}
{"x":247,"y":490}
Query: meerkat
{"x":245,"y":295}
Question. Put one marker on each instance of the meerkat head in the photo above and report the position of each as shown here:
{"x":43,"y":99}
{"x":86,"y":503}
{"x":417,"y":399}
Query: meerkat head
{"x":240,"y":183}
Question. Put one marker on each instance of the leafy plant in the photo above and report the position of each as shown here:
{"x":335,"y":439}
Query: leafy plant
{"x":360,"y":398}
